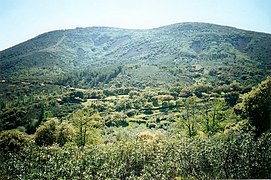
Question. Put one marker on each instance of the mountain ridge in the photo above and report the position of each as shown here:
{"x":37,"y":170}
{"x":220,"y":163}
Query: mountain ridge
{"x":180,"y":45}
{"x":113,"y":27}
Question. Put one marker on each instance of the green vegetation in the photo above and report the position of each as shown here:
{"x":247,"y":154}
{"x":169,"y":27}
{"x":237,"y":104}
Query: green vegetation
{"x":176,"y":102}
{"x":184,"y":53}
{"x":256,"y":106}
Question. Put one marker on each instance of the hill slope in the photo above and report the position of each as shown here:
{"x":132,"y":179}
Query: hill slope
{"x":97,"y":56}
{"x":164,"y":103}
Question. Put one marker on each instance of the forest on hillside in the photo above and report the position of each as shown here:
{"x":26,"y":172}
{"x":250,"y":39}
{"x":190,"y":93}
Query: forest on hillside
{"x":184,"y":101}
{"x":128,"y":133}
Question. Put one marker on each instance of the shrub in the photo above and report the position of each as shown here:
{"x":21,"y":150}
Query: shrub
{"x":66,"y":133}
{"x":46,"y":134}
{"x":256,"y":106}
{"x":12,"y":140}
{"x":231,"y":98}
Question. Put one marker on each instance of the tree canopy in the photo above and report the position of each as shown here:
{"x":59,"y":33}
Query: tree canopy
{"x":256,"y":106}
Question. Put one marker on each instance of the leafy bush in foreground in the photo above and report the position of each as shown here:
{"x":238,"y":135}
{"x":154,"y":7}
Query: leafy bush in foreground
{"x":234,"y":154}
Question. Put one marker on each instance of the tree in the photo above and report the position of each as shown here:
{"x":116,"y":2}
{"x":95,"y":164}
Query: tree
{"x":256,"y":106}
{"x":46,"y":134}
{"x":155,"y":101}
{"x":2,"y":104}
{"x":212,"y":115}
{"x":42,"y":113}
{"x":85,"y":121}
{"x":231,"y":98}
{"x":116,"y":119}
{"x":12,"y":140}
{"x":81,"y":119}
{"x":188,"y":117}
{"x":66,"y":133}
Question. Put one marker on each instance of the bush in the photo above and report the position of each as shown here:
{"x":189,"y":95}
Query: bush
{"x":66,"y":133}
{"x":234,"y":154}
{"x":231,"y":98}
{"x":12,"y":140}
{"x":46,"y":134}
{"x":117,"y":120}
{"x":256,"y":106}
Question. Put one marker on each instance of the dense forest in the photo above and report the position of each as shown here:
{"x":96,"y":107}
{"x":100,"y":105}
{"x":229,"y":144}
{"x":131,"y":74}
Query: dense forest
{"x":185,"y":101}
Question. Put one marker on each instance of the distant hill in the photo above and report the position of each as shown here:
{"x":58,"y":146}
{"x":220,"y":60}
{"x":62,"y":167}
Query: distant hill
{"x":186,"y":53}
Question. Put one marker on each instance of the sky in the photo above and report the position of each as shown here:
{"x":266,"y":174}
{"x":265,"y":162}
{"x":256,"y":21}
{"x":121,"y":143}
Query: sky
{"x":21,"y":20}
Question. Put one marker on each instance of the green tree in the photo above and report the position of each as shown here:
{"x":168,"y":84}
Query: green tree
{"x":12,"y":140}
{"x":256,"y":106}
{"x":46,"y":134}
{"x":66,"y":133}
{"x":231,"y":98}
{"x":117,"y":119}
{"x":155,"y":101}
{"x":81,"y":120}
{"x":148,"y":108}
{"x":42,"y":113}
{"x":212,"y":115}
{"x":188,"y":117}
{"x":2,"y":104}
{"x":85,"y":121}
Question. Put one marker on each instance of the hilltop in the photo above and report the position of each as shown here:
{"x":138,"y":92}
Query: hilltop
{"x":185,"y":53}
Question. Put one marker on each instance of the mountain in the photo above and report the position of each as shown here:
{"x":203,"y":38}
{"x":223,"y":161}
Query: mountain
{"x":110,"y":103}
{"x":185,"y":53}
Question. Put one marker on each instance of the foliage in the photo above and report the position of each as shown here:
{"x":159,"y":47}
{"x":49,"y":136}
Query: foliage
{"x":235,"y":154}
{"x":231,"y":98}
{"x":256,"y":106}
{"x":189,"y":117}
{"x":89,"y":77}
{"x":91,"y":57}
{"x":86,"y":122}
{"x":12,"y":140}
{"x":107,"y":103}
{"x":46,"y":134}
{"x":66,"y":133}
{"x":117,"y":120}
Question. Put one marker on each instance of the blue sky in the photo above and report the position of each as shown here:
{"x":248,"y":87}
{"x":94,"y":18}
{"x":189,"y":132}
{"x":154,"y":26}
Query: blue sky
{"x":21,"y":20}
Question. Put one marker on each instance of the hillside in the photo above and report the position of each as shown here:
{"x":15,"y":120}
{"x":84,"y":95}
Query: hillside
{"x":185,"y":53}
{"x":185,"y":101}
